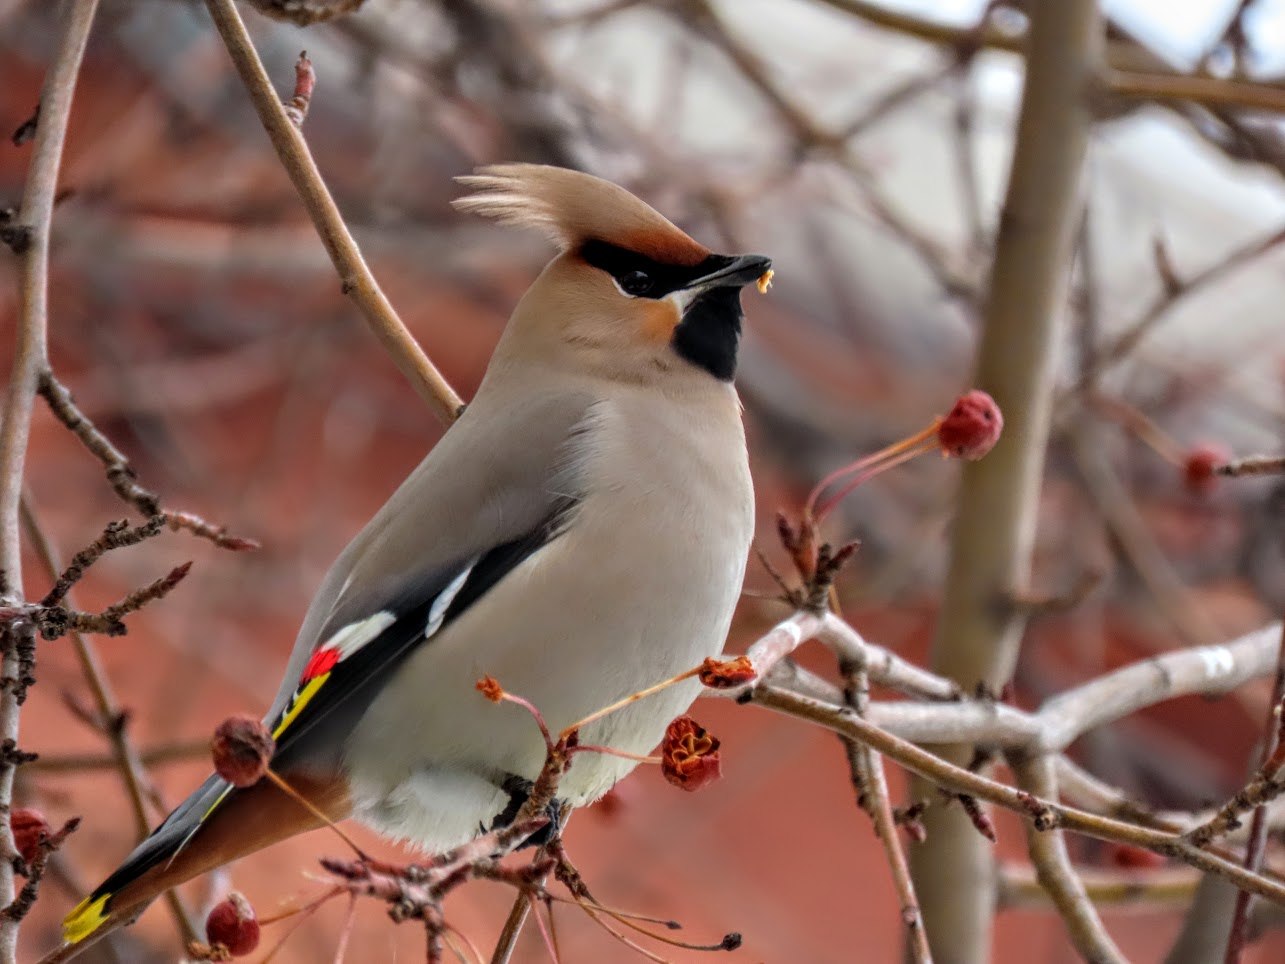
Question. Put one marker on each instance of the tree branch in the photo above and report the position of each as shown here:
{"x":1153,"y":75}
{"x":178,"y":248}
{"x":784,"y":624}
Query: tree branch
{"x":355,"y":275}
{"x":124,"y":755}
{"x":978,"y":636}
{"x":1055,"y":873}
{"x":34,"y":220}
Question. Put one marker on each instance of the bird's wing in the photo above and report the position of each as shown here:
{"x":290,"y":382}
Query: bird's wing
{"x":494,"y":491}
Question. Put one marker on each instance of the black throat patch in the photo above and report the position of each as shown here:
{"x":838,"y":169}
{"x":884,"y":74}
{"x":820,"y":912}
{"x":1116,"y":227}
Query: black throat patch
{"x":710,"y":332}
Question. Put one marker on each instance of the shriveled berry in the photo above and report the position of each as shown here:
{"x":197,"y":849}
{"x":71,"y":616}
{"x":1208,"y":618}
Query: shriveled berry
{"x":242,"y":748}
{"x":233,"y":925}
{"x":689,"y":755}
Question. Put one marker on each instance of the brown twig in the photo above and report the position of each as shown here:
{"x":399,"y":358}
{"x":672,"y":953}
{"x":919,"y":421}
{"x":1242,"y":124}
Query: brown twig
{"x":54,"y":622}
{"x":1209,"y":91}
{"x":117,"y":535}
{"x":121,"y":475}
{"x":148,"y":756}
{"x":34,"y":219}
{"x":1164,"y":887}
{"x":1253,"y":465}
{"x":1254,"y":851}
{"x":355,"y":276}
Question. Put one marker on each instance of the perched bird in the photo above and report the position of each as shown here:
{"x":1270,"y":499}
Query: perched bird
{"x":579,"y":533}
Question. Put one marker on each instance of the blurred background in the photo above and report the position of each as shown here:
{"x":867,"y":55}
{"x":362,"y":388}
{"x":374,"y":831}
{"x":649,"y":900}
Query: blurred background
{"x":864,"y":147}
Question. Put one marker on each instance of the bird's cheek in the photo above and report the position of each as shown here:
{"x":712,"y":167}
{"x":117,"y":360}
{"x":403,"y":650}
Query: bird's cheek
{"x":659,"y":319}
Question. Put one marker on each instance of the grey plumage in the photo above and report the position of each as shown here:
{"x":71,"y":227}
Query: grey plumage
{"x":579,"y":534}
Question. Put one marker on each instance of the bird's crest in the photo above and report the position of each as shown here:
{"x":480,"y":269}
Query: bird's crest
{"x":571,"y":208}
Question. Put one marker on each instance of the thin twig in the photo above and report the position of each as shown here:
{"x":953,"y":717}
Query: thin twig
{"x":871,"y":785}
{"x":1254,"y":465}
{"x":1209,"y":91}
{"x":34,"y":219}
{"x":121,"y":475}
{"x":125,"y":757}
{"x":355,"y":276}
{"x":1254,"y":852}
{"x":956,"y":779}
{"x":1128,"y":340}
{"x":1056,"y":875}
{"x":148,"y":756}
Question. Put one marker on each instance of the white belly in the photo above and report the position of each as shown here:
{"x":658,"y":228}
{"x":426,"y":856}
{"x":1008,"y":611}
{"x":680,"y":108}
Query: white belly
{"x":641,"y":587}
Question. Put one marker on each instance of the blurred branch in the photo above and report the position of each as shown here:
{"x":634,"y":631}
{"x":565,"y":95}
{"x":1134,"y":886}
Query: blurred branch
{"x":1162,"y":887}
{"x":33,"y":224}
{"x":978,"y":637}
{"x":148,"y":756}
{"x":1175,"y":290}
{"x":1210,"y":91}
{"x":1254,"y":465}
{"x":355,"y":275}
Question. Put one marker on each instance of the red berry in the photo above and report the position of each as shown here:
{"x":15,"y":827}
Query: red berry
{"x":242,"y":747}
{"x":232,"y":923}
{"x":1198,"y":469}
{"x":30,"y":829}
{"x":1129,"y":857}
{"x":972,"y":428}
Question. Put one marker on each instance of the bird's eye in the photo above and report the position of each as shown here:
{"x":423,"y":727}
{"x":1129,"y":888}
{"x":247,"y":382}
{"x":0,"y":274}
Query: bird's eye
{"x":635,"y":283}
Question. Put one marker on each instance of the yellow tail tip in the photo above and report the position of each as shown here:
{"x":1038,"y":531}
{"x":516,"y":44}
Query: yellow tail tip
{"x":85,"y":918}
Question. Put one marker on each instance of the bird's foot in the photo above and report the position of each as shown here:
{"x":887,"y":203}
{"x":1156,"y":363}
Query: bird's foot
{"x":519,"y":789}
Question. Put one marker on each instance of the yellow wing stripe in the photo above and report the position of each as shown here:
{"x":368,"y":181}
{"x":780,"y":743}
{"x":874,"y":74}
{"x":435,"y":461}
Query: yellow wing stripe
{"x":85,"y":918}
{"x":91,"y":913}
{"x":297,"y":704}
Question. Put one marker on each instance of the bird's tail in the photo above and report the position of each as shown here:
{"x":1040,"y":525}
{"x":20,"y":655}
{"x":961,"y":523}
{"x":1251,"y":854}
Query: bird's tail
{"x":214,"y":826}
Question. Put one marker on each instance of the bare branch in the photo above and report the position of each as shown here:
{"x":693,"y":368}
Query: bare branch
{"x":1253,"y":465}
{"x":1270,"y":757}
{"x":355,"y":276}
{"x":1055,"y":873}
{"x":34,"y":218}
{"x":956,"y":779}
{"x":1210,"y":91}
{"x":121,"y":475}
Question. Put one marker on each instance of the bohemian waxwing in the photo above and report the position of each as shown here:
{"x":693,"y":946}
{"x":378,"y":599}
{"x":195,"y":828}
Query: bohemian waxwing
{"x":579,"y":533}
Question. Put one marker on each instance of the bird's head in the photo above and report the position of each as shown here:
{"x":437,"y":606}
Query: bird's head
{"x":630,"y":296}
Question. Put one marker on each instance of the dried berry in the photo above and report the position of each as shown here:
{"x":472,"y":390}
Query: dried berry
{"x":972,"y":428}
{"x":490,"y":687}
{"x":726,"y":673}
{"x":1198,"y":468}
{"x":1130,"y":857}
{"x":242,"y":748}
{"x":30,"y":830}
{"x":689,"y":755}
{"x":232,"y":924}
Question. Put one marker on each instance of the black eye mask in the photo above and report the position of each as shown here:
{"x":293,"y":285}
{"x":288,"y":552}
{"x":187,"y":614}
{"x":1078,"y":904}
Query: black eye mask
{"x":640,"y":276}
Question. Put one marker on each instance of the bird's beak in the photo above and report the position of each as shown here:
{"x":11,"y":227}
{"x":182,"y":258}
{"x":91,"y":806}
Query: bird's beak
{"x":734,"y":272}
